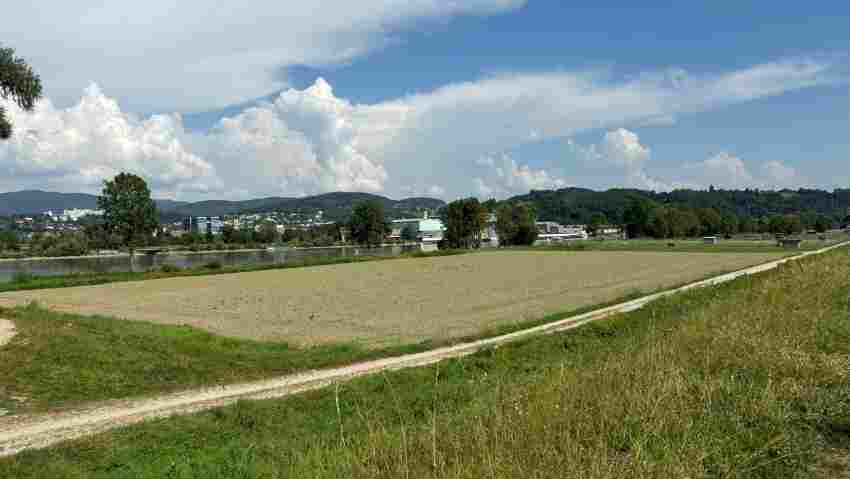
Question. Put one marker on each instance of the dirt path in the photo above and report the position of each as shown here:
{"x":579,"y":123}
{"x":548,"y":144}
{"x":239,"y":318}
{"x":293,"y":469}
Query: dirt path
{"x":7,"y":331}
{"x":18,"y":433}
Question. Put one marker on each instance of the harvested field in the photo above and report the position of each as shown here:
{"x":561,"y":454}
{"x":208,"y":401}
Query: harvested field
{"x":390,"y":302}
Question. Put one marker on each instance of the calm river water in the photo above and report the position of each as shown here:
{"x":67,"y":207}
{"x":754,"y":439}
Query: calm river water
{"x":112,"y":264}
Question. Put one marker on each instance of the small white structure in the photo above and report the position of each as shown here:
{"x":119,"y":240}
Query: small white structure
{"x":552,"y":232}
{"x":73,"y":214}
{"x":710,"y":240}
{"x":428,"y":230}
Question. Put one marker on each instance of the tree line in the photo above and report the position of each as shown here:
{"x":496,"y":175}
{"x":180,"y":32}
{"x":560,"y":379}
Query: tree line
{"x":645,"y":218}
{"x":755,"y":210}
{"x":466,"y":222}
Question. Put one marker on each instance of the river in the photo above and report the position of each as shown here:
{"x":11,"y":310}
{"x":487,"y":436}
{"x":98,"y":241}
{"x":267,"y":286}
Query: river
{"x":144,"y":262}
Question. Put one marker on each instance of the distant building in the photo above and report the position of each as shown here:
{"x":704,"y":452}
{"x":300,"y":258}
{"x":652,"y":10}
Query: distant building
{"x":552,"y":232}
{"x":204,"y":225}
{"x":608,"y":230}
{"x":427,"y":230}
{"x":489,"y":235}
{"x":73,"y":214}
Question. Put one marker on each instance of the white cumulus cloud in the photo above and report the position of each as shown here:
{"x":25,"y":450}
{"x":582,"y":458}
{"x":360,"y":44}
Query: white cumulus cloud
{"x":507,"y":178}
{"x":311,"y":141}
{"x":78,"y":147}
{"x":623,"y":149}
{"x":163,"y":55}
{"x":724,"y":170}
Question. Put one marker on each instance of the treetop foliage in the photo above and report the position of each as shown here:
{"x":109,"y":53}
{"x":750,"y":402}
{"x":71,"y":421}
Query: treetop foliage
{"x":128,"y":210}
{"x":578,"y":205}
{"x":368,"y":223}
{"x":17,"y":83}
{"x":515,"y":224}
{"x":464,"y":220}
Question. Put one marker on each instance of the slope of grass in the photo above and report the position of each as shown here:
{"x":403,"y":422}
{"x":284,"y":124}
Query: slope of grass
{"x":59,"y":360}
{"x":747,"y":379}
{"x":62,"y":360}
{"x":694,"y":245}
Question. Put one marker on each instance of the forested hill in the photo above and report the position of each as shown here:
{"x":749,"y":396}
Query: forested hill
{"x":33,"y":202}
{"x":577,"y":205}
{"x":335,"y":206}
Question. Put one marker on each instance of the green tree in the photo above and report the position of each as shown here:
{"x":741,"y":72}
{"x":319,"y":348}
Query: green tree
{"x":636,"y":216}
{"x":658,"y":224}
{"x":229,"y":234}
{"x":266,"y":233}
{"x":128,"y":210}
{"x":729,"y":224}
{"x":65,"y":244}
{"x":710,"y":220}
{"x":17,"y":83}
{"x":793,"y":224}
{"x":515,"y":224}
{"x":408,"y":233}
{"x":776,"y":224}
{"x":464,"y":220}
{"x":748,"y":225}
{"x":491,"y":205}
{"x":368,"y":223}
{"x":823,"y":223}
{"x":9,"y":241}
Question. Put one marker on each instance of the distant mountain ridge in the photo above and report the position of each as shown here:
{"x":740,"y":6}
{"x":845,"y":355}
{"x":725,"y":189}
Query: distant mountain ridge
{"x":36,"y":202}
{"x":335,"y":206}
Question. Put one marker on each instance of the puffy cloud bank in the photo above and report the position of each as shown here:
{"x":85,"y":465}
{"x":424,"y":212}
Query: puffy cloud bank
{"x":622,"y":148}
{"x":311,"y":141}
{"x":507,"y":178}
{"x":163,"y":55}
{"x":77,"y":148}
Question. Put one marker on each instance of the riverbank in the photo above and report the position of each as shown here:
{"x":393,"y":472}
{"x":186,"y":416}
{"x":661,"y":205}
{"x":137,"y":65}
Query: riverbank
{"x":24,"y":282}
{"x":184,"y":252}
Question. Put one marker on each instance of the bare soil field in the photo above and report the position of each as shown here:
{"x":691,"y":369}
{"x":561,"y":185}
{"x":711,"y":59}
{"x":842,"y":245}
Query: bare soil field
{"x":390,"y":302}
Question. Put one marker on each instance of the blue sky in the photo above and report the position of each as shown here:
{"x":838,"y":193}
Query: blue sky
{"x":431,"y":97}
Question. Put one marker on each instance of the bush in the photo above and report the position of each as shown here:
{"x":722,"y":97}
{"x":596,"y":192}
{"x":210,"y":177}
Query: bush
{"x":213,"y":265}
{"x":22,"y":278}
{"x":68,"y":244}
{"x":170,"y":268}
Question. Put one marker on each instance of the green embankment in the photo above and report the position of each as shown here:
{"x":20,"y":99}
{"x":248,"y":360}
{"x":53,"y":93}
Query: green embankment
{"x":747,"y":379}
{"x":696,"y":245}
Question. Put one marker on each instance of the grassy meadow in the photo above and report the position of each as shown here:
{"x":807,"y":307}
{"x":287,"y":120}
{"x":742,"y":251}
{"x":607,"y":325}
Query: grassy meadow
{"x":697,"y":245}
{"x":746,"y":379}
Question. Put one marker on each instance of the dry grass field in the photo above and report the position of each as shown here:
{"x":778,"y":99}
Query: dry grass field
{"x":390,"y":302}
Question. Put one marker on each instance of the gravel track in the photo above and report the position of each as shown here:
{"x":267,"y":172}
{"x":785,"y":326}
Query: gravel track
{"x":18,"y":433}
{"x":7,"y":331}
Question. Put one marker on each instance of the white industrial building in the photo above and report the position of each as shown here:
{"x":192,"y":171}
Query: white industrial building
{"x":427,"y":230}
{"x":552,"y":232}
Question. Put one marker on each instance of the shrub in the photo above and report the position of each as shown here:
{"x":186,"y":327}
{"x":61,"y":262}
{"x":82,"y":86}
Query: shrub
{"x":170,"y":268}
{"x":213,"y":265}
{"x":22,"y":278}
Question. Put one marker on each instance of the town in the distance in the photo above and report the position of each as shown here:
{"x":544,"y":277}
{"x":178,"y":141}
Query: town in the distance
{"x":71,"y":223}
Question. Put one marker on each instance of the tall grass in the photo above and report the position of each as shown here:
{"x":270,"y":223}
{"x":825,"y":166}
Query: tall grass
{"x":748,"y":379}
